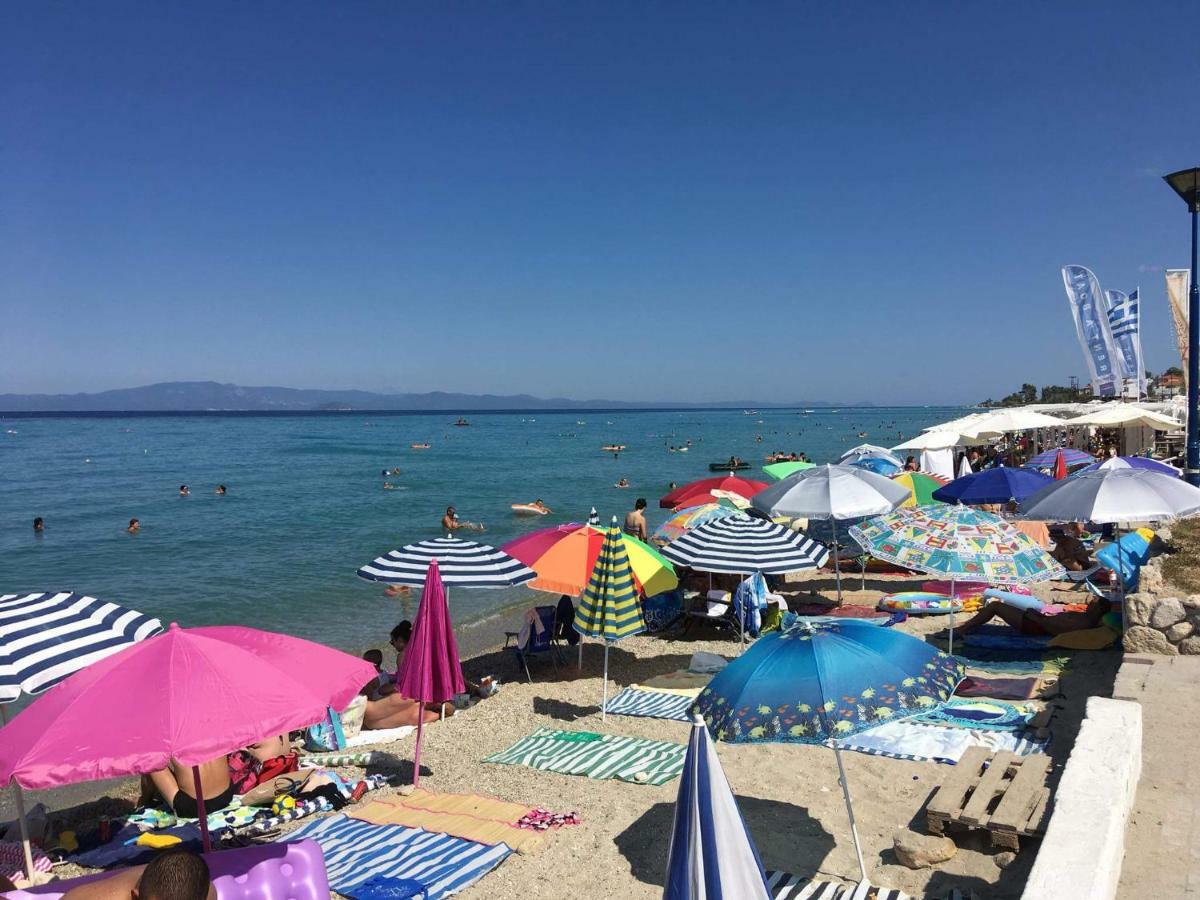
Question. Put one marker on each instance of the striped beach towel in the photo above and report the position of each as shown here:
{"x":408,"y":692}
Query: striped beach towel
{"x":597,"y":756}
{"x":784,"y":886}
{"x":650,"y":704}
{"x":356,"y":852}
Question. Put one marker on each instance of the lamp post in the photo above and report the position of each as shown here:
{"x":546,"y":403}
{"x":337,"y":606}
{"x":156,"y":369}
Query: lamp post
{"x":1186,"y":183}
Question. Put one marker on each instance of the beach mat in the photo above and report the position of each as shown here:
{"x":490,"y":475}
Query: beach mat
{"x":371,"y":737}
{"x":682,"y":682}
{"x":1006,"y":662}
{"x":1002,"y":688}
{"x":358,"y":853}
{"x":598,"y":756}
{"x":934,"y":743}
{"x":785,"y":886}
{"x":651,"y":705}
{"x":468,"y":816}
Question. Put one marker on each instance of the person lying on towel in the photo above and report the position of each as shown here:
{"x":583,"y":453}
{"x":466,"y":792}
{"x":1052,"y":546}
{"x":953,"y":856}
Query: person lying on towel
{"x":1033,"y":623}
{"x":172,"y":875}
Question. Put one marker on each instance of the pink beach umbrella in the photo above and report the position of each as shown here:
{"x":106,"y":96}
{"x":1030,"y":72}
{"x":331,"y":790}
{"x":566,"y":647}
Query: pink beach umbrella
{"x":430,"y":671}
{"x":189,"y":695}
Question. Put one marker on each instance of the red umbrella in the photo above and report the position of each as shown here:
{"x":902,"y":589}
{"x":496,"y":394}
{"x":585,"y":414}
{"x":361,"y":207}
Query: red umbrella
{"x":698,"y":492}
{"x":430,"y":671}
{"x":1060,"y":466}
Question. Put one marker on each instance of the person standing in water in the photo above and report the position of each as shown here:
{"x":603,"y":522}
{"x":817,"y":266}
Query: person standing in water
{"x":635,"y":520}
{"x":452,"y":523}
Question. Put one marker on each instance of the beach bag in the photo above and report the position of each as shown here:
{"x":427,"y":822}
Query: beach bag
{"x":326,"y":734}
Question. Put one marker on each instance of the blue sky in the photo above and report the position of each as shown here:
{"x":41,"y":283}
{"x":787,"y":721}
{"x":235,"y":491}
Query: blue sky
{"x":632,"y":201}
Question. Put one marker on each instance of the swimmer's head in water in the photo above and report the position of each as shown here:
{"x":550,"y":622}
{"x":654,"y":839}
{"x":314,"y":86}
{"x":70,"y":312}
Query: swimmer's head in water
{"x":220,"y":488}
{"x":451,"y":511}
{"x":374,"y":657}
{"x":38,"y":524}
{"x":134,"y":524}
{"x":175,"y":875}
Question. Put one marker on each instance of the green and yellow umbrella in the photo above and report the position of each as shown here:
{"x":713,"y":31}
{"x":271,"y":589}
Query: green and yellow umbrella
{"x":921,"y":486}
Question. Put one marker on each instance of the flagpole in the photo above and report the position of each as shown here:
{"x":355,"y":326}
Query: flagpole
{"x":1141,"y":373}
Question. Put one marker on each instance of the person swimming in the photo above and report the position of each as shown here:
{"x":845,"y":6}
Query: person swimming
{"x":452,"y":523}
{"x":134,"y":526}
{"x":183,"y":490}
{"x":542,"y":506}
{"x":39,"y":525}
{"x":220,"y":490}
{"x":623,"y":483}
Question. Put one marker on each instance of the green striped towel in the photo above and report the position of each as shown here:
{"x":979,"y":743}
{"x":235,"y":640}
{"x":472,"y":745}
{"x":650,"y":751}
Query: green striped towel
{"x":598,"y":756}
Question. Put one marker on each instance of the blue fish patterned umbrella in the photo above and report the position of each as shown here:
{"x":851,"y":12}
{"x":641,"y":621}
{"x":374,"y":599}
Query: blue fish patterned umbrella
{"x":815,"y":685}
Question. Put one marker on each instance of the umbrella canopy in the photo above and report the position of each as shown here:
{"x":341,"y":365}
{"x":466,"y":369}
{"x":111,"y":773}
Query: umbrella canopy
{"x":784,"y":469}
{"x":1127,"y":416}
{"x":430,"y":671}
{"x":740,"y":544}
{"x":1135,"y":462}
{"x":712,"y":855}
{"x":1049,"y":458}
{"x":999,"y":485}
{"x":1114,"y":496}
{"x":921,"y":486}
{"x":870,"y":451}
{"x":939,"y":439}
{"x":462,"y":563}
{"x":809,"y":684}
{"x":876,"y":464}
{"x":44,"y":637}
{"x":701,"y":491}
{"x":690,"y":517}
{"x":564,"y":556}
{"x":609,"y":606}
{"x":958,"y":543}
{"x":1007,"y":420}
{"x":831,"y":492}
{"x":189,"y":695}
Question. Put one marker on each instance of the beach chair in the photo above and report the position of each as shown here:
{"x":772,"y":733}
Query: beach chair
{"x":718,"y":613}
{"x":537,"y":644}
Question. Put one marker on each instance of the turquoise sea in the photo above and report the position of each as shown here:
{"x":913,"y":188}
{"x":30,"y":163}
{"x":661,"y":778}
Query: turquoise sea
{"x":306,"y":504}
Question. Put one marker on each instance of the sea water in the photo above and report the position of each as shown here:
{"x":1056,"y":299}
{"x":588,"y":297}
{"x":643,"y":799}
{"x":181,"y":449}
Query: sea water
{"x":306,"y":504}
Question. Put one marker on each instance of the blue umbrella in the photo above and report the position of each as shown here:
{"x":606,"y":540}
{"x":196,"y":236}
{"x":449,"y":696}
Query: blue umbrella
{"x":876,"y":464}
{"x":998,"y":485}
{"x":712,"y":855}
{"x":815,"y":685}
{"x":1071,"y":457}
{"x":1133,"y":462}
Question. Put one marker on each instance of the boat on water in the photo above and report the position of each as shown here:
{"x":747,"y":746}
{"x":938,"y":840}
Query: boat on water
{"x":749,"y":412}
{"x":461,"y":423}
{"x":727,"y":466}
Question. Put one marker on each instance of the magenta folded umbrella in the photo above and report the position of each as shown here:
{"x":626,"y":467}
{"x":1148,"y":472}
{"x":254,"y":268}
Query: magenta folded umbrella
{"x":430,"y":671}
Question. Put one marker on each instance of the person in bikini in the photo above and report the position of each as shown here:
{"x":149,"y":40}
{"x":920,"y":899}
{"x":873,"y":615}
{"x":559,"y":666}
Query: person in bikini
{"x":177,"y":785}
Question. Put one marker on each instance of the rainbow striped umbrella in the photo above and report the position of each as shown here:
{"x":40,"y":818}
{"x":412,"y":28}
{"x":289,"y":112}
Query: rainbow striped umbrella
{"x":921,"y":486}
{"x":691,"y":517}
{"x":609,"y":607}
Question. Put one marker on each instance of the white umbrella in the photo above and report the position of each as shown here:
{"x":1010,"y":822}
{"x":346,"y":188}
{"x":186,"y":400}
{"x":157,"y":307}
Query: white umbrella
{"x":831,"y":492}
{"x":870,"y":451}
{"x":1008,"y":420}
{"x":1127,"y":416}
{"x":939,"y":439}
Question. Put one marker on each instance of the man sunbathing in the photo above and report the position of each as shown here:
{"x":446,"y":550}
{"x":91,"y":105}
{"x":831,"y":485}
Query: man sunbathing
{"x":177,"y":785}
{"x":1032,"y":623}
{"x":172,"y":875}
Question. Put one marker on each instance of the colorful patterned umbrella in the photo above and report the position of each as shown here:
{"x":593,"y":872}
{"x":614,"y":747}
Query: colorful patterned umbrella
{"x":1071,"y":456}
{"x":609,"y":608}
{"x":702,"y":491}
{"x":781,"y":470}
{"x":921,"y":486}
{"x":563,"y":556}
{"x":690,"y":517}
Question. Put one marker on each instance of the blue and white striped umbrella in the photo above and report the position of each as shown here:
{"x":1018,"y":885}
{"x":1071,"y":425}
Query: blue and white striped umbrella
{"x":712,"y":855}
{"x":45,"y":637}
{"x":462,"y":563}
{"x":740,"y":544}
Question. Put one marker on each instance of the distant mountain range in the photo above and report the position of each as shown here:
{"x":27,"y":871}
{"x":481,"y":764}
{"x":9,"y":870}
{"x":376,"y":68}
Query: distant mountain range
{"x":211,"y":396}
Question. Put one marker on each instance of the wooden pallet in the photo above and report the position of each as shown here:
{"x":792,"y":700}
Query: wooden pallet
{"x":1005,"y":794}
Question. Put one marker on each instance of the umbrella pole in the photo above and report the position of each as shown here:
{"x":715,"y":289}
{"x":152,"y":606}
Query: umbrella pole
{"x":1121,"y":575}
{"x":837,"y":564}
{"x":205,"y":840}
{"x":953,"y":596}
{"x":604,"y":702}
{"x":417,"y":750}
{"x":862,"y":867}
{"x":19,"y":796}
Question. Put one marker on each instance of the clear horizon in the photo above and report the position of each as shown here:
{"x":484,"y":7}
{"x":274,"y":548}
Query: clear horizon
{"x":612,"y":201}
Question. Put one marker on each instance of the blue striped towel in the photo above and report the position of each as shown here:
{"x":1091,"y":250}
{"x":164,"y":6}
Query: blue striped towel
{"x":357,"y":852}
{"x":650,"y":704}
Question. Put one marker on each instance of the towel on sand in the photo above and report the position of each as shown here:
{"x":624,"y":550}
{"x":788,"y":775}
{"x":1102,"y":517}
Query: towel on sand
{"x":651,"y":705}
{"x":683,"y":682}
{"x":468,"y":816}
{"x":1032,"y":688}
{"x":909,"y":740}
{"x":598,"y":756}
{"x":987,"y":715}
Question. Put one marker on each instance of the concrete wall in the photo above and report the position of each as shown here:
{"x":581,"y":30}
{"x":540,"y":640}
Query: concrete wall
{"x":1081,"y":854}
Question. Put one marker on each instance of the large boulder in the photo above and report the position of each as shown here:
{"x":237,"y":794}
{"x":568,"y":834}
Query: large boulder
{"x":921,"y":851}
{"x":1150,"y":577}
{"x":1179,"y":631}
{"x":1190,"y":646}
{"x":1166,"y":612}
{"x":1140,"y":639}
{"x":1138,"y":607}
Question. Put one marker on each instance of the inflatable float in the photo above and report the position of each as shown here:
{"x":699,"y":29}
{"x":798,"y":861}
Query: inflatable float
{"x":613,"y":448}
{"x":529,"y":509}
{"x":418,"y":446}
{"x":726,"y":467}
{"x":920,"y":603}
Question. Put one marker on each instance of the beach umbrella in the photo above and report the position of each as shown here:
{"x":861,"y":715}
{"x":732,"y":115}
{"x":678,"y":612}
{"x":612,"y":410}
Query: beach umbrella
{"x":876,"y":464}
{"x":741,"y":544}
{"x":712,"y":854}
{"x":430,"y":671}
{"x":691,"y":516}
{"x":609,"y":607}
{"x":1134,"y":462}
{"x":461,"y":563}
{"x":818,"y":684}
{"x":1005,"y":421}
{"x":697,"y":492}
{"x":870,"y":451}
{"x":959,"y":543}
{"x":1125,"y":415}
{"x":1049,"y":458}
{"x":831,"y":492}
{"x":563,"y":556}
{"x":999,"y":485}
{"x":593,"y":517}
{"x":939,"y":440}
{"x":1060,"y":466}
{"x":189,"y":695}
{"x":784,"y":469}
{"x":921,"y":486}
{"x":48,"y":635}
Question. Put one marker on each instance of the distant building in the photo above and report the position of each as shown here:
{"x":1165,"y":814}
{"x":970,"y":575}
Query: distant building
{"x":1169,"y":384}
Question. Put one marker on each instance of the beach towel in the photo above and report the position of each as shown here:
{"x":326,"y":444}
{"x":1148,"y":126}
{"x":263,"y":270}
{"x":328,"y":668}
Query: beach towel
{"x":982,"y":714}
{"x":1002,"y":637}
{"x":910,"y":740}
{"x":1008,"y":662}
{"x":785,"y":886}
{"x":597,"y":756}
{"x":1007,"y":688}
{"x":681,"y":683}
{"x":12,"y":860}
{"x":357,"y":852}
{"x":235,"y":815}
{"x":651,"y":705}
{"x":472,"y":817}
{"x":369,"y":737}
{"x":120,"y":849}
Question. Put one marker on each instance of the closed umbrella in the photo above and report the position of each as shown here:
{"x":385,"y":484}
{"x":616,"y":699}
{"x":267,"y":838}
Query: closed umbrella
{"x":609,"y":607}
{"x":1002,"y":484}
{"x":702,"y":491}
{"x":831,"y":492}
{"x":712,"y":854}
{"x":48,"y":635}
{"x":815,"y":685}
{"x":1060,"y":466}
{"x":430,"y":671}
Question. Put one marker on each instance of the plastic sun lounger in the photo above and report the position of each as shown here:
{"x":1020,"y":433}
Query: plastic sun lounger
{"x":279,"y":871}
